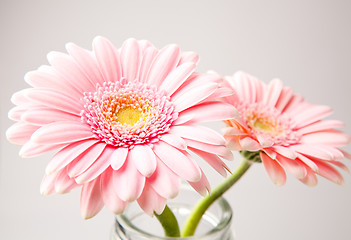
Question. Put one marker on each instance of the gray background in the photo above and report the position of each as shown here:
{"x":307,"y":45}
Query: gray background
{"x":305,"y":43}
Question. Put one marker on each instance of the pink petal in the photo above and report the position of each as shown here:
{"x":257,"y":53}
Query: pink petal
{"x":90,"y":199}
{"x":340,"y":165}
{"x":146,"y":61}
{"x":311,"y":114}
{"x":62,"y":132}
{"x":332,"y":137}
{"x":233,"y":143}
{"x":183,"y":119}
{"x":31,"y":149}
{"x":300,"y":107}
{"x":232,"y":131}
{"x":244,"y":84}
{"x":98,"y":167}
{"x":272,"y":154}
{"x":210,"y":111}
{"x":213,"y":160}
{"x":198,"y":133}
{"x":194,"y":81}
{"x":293,"y":166}
{"x":40,"y":78}
{"x":165,"y":61}
{"x":265,"y":141}
{"x":250,"y":144}
{"x":144,"y":45}
{"x":81,"y":163}
{"x":248,"y":85}
{"x":273,"y":92}
{"x":330,"y":173}
{"x":49,"y":77}
{"x":346,"y":154}
{"x":67,"y":70}
{"x":165,"y":181}
{"x":219,"y":150}
{"x":109,"y":195}
{"x":118,"y":157}
{"x":189,"y":57}
{"x":67,"y":155}
{"x":234,"y":83}
{"x":310,"y":179}
{"x":293,"y":105}
{"x":107,"y":59}
{"x":177,"y":77}
{"x":274,"y":170}
{"x":238,"y":123}
{"x":130,"y":59}
{"x":320,"y":126}
{"x":150,"y":201}
{"x":129,"y":182}
{"x":285,"y":96}
{"x":284,"y":151}
{"x":184,"y":166}
{"x":194,"y":96}
{"x":313,"y":151}
{"x":335,"y":152}
{"x":144,"y":159}
{"x":220,"y":93}
{"x":20,"y":132}
{"x":43,"y":116}
{"x":203,"y":186}
{"x":86,"y":62}
{"x":20,"y":97}
{"x":56,"y":100}
{"x":308,"y":162}
{"x":260,"y":88}
{"x":63,"y":183}
{"x":174,"y":141}
{"x":47,"y":186}
{"x":16,"y":113}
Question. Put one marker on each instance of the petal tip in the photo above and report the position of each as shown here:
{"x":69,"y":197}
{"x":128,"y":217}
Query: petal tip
{"x":51,"y":55}
{"x":278,"y":183}
{"x":69,"y":46}
{"x":340,"y":182}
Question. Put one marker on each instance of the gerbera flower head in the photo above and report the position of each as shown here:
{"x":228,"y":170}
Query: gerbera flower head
{"x":123,"y":121}
{"x":281,"y":129}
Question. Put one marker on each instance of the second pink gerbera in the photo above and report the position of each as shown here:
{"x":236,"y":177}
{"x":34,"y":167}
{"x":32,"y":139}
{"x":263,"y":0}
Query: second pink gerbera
{"x":287,"y":132}
{"x":123,"y":120}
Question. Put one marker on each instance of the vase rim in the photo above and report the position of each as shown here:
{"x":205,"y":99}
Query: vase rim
{"x":224,"y":222}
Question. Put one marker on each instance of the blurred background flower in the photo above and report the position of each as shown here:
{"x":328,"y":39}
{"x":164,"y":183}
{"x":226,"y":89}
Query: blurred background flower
{"x":286,"y":131}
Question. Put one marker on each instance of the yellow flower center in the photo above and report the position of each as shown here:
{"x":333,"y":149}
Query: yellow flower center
{"x":128,"y":115}
{"x":262,"y":125}
{"x":259,"y":122}
{"x":125,"y":114}
{"x":268,"y":121}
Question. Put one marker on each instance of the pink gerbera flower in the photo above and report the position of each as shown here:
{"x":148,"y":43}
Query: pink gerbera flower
{"x":123,"y":120}
{"x":287,"y":132}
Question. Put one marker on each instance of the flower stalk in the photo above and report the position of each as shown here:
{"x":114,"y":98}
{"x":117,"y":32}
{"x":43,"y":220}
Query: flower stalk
{"x":203,"y":204}
{"x":169,"y":223}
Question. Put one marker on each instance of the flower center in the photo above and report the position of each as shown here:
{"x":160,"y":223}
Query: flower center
{"x":263,"y":123}
{"x":268,"y":121}
{"x":128,"y":115}
{"x":124,"y":113}
{"x":259,"y":124}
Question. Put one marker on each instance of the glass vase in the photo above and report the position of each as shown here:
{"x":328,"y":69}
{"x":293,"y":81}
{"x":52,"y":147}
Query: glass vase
{"x":134,"y":224}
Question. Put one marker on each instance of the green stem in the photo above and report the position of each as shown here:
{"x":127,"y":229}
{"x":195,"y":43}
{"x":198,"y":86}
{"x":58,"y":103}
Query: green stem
{"x":203,"y":204}
{"x":169,"y":222}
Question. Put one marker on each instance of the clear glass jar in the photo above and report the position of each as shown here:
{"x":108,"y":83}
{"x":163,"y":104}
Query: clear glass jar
{"x":134,"y":224}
